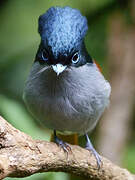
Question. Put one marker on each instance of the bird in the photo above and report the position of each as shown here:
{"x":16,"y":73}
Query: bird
{"x":65,"y":90}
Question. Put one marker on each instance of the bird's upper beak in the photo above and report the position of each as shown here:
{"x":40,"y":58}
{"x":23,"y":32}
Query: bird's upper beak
{"x":59,"y":68}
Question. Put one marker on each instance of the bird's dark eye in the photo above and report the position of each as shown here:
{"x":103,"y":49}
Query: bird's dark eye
{"x":75,"y":58}
{"x":44,"y":55}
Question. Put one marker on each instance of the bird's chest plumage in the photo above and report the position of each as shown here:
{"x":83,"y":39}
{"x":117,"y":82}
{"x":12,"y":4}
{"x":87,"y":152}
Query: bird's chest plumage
{"x":72,"y":101}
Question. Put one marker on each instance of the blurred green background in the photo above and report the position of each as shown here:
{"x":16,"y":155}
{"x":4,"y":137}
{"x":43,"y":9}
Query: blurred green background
{"x":19,"y":41}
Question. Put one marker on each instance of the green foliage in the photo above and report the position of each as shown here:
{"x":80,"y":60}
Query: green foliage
{"x":129,"y":158}
{"x":45,"y":176}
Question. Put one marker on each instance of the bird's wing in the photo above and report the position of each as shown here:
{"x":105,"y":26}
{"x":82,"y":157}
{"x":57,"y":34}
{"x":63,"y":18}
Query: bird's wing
{"x":98,"y":66}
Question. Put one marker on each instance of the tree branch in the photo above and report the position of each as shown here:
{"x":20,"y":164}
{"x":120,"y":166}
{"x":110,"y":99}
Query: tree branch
{"x":22,"y":156}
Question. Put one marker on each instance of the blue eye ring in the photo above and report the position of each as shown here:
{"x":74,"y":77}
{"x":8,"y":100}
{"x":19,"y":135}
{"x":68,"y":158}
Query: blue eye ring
{"x":44,"y":55}
{"x":75,"y":58}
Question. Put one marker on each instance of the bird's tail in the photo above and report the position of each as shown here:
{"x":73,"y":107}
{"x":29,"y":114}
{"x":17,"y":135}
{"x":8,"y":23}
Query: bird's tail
{"x":71,"y":139}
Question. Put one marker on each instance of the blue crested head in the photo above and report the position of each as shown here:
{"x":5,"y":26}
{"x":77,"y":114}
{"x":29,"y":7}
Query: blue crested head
{"x":62,"y":30}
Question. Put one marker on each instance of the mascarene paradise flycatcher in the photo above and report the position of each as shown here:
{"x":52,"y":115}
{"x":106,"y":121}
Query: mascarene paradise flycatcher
{"x":65,"y":90}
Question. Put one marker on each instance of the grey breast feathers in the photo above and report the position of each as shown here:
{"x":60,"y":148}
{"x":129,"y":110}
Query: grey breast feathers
{"x":71,"y":102}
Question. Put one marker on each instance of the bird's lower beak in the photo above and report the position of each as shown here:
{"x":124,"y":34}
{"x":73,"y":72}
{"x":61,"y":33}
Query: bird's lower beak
{"x":58,"y":68}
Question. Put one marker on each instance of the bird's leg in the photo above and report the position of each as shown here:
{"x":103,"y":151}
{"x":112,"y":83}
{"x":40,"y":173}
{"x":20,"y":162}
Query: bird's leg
{"x":90,"y":147}
{"x":61,"y":143}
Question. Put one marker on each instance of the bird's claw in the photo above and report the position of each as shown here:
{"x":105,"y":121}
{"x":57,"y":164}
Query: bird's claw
{"x":98,"y":159}
{"x":65,"y":146}
{"x":90,"y":147}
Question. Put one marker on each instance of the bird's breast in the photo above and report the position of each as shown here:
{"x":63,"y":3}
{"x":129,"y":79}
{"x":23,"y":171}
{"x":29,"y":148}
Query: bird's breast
{"x":72,"y":101}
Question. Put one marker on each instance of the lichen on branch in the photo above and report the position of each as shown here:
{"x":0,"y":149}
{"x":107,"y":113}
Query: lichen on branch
{"x":21,"y":156}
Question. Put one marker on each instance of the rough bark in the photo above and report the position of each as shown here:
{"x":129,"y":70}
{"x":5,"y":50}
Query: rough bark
{"x":22,"y":156}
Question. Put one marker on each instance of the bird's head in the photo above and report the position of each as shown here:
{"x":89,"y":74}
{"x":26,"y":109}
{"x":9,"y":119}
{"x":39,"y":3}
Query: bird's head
{"x":62,"y":32}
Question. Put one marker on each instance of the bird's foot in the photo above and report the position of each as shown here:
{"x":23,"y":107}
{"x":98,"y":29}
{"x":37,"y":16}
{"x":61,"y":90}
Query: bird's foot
{"x":65,"y":146}
{"x":96,"y":156}
{"x":90,"y":147}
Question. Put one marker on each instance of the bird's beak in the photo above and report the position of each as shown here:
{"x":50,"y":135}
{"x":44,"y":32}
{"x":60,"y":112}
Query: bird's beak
{"x":58,"y":68}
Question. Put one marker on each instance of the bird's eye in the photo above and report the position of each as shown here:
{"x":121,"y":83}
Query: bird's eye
{"x":75,"y":58}
{"x":44,"y":55}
